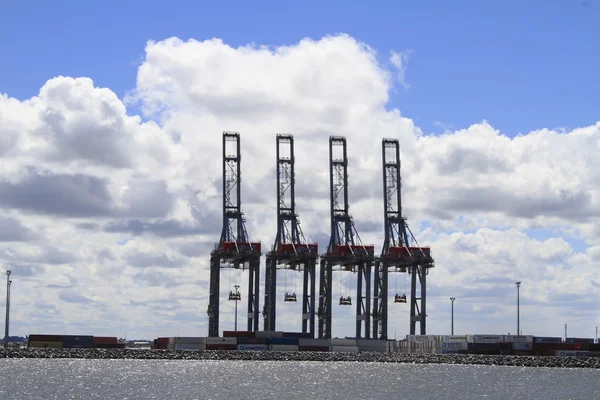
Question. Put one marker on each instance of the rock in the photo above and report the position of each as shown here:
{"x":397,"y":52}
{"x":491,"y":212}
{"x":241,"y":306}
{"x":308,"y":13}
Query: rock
{"x":520,"y":361}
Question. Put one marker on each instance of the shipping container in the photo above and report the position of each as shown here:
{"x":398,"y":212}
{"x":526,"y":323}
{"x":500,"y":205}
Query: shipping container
{"x":284,"y":340}
{"x":314,"y":342}
{"x":45,"y":338}
{"x":546,"y":339}
{"x":283,"y":347}
{"x":572,"y":353}
{"x":372,"y":342}
{"x":422,"y":338}
{"x":188,"y":340}
{"x":105,"y":340}
{"x":268,"y":334}
{"x":313,"y":348}
{"x":252,"y":340}
{"x":454,"y":338}
{"x":210,"y":346}
{"x":454,"y":345}
{"x":197,"y":346}
{"x":252,"y":347}
{"x":221,"y":340}
{"x":238,"y":334}
{"x":373,"y":349}
{"x":161,"y":343}
{"x":53,"y":345}
{"x":490,"y":348}
{"x":519,"y":339}
{"x":342,"y":342}
{"x":297,"y":335}
{"x":110,"y":346}
{"x":521,"y":346}
{"x":77,"y":342}
{"x":344,"y":349}
{"x":488,"y":338}
{"x":579,"y":340}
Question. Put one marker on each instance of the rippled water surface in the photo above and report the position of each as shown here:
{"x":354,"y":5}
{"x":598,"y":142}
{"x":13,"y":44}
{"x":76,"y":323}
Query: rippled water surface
{"x":160,"y":379}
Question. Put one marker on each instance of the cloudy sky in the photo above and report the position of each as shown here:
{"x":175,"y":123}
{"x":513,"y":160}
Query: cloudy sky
{"x":111,"y":119}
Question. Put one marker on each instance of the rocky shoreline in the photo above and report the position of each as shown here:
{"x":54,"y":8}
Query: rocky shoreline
{"x":472,"y":359}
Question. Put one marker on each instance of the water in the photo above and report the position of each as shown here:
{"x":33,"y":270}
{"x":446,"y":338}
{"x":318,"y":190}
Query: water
{"x":63,"y":379}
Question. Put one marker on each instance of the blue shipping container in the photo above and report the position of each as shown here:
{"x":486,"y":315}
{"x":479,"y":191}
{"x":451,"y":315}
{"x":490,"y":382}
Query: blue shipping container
{"x":284,"y":340}
{"x":579,"y":340}
{"x":77,"y":342}
{"x":542,"y":339}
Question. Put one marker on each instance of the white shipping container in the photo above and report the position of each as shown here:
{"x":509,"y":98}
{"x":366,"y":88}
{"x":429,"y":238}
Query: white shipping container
{"x":454,"y":345}
{"x":344,"y":349}
{"x":221,"y":340}
{"x":522,"y":346}
{"x":454,"y":338}
{"x":252,"y":347}
{"x":375,"y":349}
{"x":189,"y":340}
{"x":314,"y":342}
{"x":284,"y":347}
{"x":343,"y":342}
{"x":422,"y":338}
{"x":519,"y":338}
{"x":190,"y":346}
{"x":488,"y":338}
{"x":372,"y":343}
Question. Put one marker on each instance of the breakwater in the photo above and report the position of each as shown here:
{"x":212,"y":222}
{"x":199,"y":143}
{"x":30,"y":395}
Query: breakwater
{"x":471,"y":359}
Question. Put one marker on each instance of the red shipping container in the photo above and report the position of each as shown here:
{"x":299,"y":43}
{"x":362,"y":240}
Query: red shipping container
{"x":221,"y":346}
{"x":105,"y":340}
{"x":45,"y":338}
{"x":313,"y":348}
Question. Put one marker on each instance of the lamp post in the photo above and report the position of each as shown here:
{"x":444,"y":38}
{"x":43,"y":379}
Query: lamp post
{"x":452,"y":318}
{"x":6,"y":321}
{"x":237,"y":297}
{"x":518,"y":309}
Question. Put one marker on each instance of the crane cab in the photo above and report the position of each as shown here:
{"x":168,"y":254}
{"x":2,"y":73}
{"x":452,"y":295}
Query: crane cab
{"x":235,"y":295}
{"x":345,"y":301}
{"x":290,"y":297}
{"x":400,"y":299}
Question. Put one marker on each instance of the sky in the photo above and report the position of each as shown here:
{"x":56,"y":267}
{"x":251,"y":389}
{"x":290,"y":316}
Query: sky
{"x":111,"y":118}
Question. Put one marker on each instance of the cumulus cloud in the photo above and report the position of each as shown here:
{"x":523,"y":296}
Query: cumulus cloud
{"x":112,"y":215}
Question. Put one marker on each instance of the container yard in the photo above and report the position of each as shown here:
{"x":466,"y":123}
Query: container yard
{"x":73,"y":342}
{"x":524,"y":345}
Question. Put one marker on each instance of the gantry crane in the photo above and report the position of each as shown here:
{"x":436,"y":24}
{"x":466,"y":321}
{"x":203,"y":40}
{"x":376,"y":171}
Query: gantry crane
{"x":234,"y":249}
{"x":290,"y":250}
{"x":345,"y":251}
{"x":400,"y":252}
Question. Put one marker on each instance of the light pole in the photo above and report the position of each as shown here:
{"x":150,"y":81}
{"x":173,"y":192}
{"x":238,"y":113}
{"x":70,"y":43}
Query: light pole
{"x":237,"y":298}
{"x":6,"y":322}
{"x":518,"y":309}
{"x":452,"y":324}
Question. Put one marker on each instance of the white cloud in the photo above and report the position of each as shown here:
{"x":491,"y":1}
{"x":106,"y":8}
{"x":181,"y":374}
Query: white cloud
{"x":112,"y":216}
{"x":400,"y":61}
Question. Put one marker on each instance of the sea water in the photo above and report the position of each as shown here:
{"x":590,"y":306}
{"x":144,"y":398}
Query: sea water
{"x":51,"y":379}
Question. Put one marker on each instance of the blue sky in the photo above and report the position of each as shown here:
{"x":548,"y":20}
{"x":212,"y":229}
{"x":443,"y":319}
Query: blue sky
{"x":522,"y":65}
